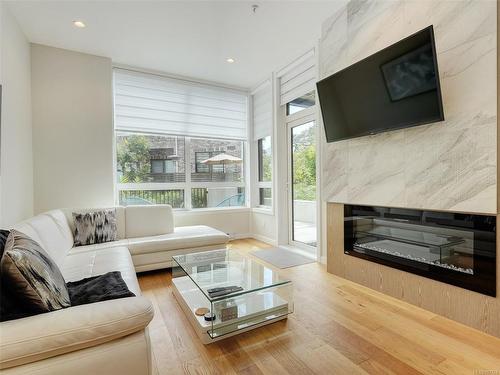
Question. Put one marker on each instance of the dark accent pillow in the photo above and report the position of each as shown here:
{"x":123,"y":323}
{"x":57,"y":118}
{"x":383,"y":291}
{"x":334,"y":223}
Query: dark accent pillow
{"x":5,"y":298}
{"x":31,"y":279}
{"x":98,"y":288}
{"x":3,"y":239}
{"x":94,"y":227}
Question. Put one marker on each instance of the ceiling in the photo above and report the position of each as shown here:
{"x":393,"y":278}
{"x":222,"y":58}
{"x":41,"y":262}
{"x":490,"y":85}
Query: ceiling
{"x":188,"y":38}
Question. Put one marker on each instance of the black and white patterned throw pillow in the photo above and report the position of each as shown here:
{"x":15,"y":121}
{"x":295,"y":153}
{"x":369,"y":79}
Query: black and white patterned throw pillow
{"x":94,"y":227}
{"x":31,"y":277}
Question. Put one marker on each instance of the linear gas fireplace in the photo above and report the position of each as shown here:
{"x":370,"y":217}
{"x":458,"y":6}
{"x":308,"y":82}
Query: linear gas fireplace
{"x":455,"y":248}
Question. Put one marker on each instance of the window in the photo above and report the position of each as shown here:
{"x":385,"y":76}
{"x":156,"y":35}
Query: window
{"x":262,"y":130}
{"x":157,"y":166}
{"x":144,"y":158}
{"x":199,"y":157}
{"x":264,"y":152}
{"x":265,"y":197}
{"x":170,"y":166}
{"x":265,"y":165}
{"x":218,"y":197}
{"x":178,"y":142}
{"x":151,"y":169}
{"x":301,"y":103}
{"x":216,"y":160}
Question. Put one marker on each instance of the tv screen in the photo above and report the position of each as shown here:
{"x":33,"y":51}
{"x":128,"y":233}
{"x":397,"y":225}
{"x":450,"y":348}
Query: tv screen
{"x":394,"y":88}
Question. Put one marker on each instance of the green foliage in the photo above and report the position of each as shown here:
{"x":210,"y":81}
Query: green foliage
{"x":133,"y":158}
{"x":266,"y":159}
{"x":304,"y":165}
{"x":304,"y":192}
{"x":199,"y":198}
{"x":266,"y":167}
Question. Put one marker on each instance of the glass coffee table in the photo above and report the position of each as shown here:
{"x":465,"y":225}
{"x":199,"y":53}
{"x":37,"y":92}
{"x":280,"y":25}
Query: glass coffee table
{"x":263,"y":295}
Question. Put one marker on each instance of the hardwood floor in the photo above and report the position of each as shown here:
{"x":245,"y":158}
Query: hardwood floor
{"x":338,"y":327}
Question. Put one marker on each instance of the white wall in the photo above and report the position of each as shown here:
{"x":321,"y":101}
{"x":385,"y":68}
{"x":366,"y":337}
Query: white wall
{"x":263,"y":227}
{"x":72,"y":129}
{"x":16,"y":166}
{"x":1,"y":82}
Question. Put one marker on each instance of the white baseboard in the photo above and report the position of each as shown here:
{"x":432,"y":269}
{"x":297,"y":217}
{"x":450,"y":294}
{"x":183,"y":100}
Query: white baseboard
{"x":258,"y":237}
{"x":265,"y":239}
{"x":322,"y":259}
{"x":240,"y":236}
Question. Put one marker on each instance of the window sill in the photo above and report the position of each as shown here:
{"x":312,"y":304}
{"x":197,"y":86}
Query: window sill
{"x":262,"y":210}
{"x":212,"y":210}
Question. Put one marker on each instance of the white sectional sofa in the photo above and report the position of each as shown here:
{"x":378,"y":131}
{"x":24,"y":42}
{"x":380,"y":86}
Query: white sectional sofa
{"x":152,"y":238}
{"x":107,"y":337}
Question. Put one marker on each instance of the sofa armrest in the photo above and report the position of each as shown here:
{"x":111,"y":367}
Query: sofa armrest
{"x":42,"y":336}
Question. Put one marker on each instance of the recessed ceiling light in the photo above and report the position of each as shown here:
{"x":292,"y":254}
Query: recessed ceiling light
{"x":79,"y":24}
{"x":230,"y":60}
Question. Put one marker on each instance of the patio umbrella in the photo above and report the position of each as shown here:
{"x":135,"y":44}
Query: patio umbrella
{"x":222,"y":159}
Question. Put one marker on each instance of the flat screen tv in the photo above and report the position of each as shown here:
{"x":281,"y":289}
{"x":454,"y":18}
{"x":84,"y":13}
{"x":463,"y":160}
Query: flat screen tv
{"x":394,"y":88}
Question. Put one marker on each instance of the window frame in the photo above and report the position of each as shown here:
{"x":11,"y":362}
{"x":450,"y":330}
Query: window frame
{"x":188,"y":185}
{"x":197,"y":164}
{"x":260,"y":171}
{"x":158,"y":161}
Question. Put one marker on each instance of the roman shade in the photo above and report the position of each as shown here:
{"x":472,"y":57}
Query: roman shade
{"x":298,"y":78}
{"x":149,"y":103}
{"x":262,"y":105}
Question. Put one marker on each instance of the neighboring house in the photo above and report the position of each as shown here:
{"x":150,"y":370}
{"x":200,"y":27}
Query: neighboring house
{"x":167,"y":160}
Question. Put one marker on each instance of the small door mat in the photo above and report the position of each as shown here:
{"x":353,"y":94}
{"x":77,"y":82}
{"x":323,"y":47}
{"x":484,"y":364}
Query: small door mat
{"x":281,"y":258}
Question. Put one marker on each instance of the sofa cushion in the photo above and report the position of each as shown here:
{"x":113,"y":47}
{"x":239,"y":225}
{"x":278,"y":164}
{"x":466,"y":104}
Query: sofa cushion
{"x":27,"y":229}
{"x":31,"y":276}
{"x":7,"y":302}
{"x":65,"y":235}
{"x":94,"y":227}
{"x":98,"y":246}
{"x":79,"y":265}
{"x":47,"y":335}
{"x":51,"y":231}
{"x":163,"y":259}
{"x":181,"y":238}
{"x":142,"y":221}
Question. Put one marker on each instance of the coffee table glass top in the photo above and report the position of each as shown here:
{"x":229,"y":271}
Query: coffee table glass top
{"x":220,"y":268}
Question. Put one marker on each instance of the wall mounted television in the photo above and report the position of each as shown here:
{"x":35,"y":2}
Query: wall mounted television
{"x":394,"y":88}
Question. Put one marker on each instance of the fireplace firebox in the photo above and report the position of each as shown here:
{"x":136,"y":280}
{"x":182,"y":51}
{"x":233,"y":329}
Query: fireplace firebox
{"x":455,"y":248}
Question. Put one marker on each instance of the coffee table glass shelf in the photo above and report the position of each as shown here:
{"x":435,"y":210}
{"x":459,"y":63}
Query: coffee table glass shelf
{"x":264,"y":296}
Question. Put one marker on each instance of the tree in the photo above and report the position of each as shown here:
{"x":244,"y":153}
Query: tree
{"x":266,"y":167}
{"x":304,"y":165}
{"x":133,"y":158}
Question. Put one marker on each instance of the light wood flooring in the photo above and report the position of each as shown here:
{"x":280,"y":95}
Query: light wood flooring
{"x":338,"y":327}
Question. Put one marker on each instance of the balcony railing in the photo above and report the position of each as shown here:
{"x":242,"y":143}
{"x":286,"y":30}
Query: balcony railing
{"x":175,"y":198}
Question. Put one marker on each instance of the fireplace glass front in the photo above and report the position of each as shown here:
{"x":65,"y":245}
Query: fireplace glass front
{"x":456,"y":248}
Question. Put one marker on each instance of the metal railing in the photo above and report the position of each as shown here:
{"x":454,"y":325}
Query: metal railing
{"x":175,"y":198}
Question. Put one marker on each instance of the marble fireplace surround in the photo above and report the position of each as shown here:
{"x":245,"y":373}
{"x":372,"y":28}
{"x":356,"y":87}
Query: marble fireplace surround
{"x":449,"y":165}
{"x":445,"y":166}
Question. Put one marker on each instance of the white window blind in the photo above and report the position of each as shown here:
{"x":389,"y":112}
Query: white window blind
{"x":297,"y":78}
{"x":262,"y":111}
{"x":155,"y":104}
